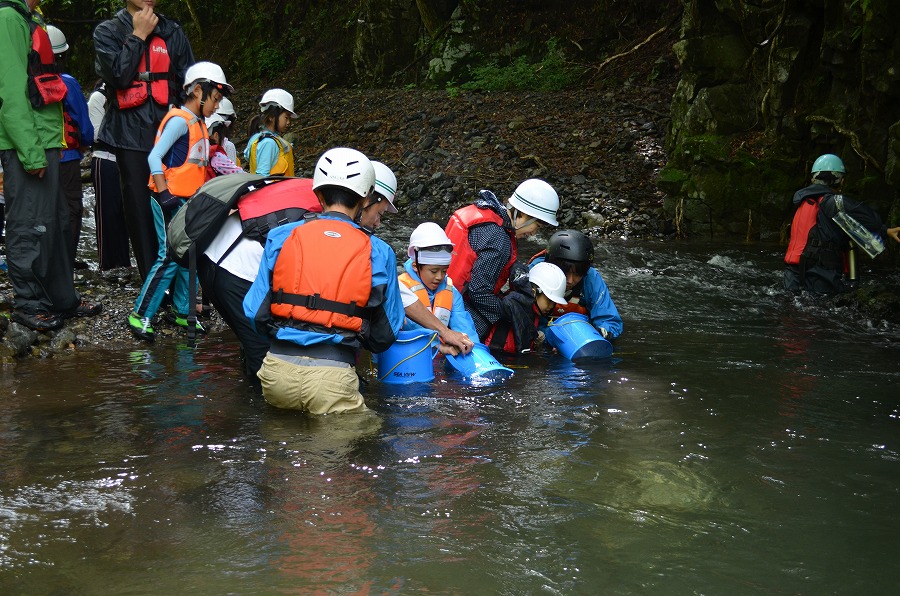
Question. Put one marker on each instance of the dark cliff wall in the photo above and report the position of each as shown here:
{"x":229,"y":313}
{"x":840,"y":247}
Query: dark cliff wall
{"x":768,"y":86}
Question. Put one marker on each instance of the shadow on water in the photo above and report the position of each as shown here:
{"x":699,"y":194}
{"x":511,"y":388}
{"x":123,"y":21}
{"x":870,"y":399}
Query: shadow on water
{"x":739,"y":440}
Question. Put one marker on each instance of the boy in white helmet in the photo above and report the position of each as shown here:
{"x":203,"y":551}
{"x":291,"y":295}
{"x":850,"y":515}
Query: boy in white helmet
{"x":178,"y":167}
{"x":381,"y":202}
{"x":486,"y":235}
{"x":325,"y":288}
{"x":429,"y":297}
{"x":533,"y":295}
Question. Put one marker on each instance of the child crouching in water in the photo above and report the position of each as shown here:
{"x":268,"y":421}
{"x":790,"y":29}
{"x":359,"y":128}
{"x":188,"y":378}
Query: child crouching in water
{"x":178,"y":166}
{"x":533,"y":294}
{"x":425,"y":281}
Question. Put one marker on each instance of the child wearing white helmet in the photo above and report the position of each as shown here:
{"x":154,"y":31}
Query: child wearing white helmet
{"x":325,"y":288}
{"x":219,"y":162}
{"x":178,"y":167}
{"x":486,"y":235}
{"x":267,"y":152}
{"x":227,"y":112}
{"x":533,"y":295}
{"x":382,"y":200}
{"x":425,"y":286}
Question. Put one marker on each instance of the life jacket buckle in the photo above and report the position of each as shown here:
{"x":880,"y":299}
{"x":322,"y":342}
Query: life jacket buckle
{"x":143,"y":77}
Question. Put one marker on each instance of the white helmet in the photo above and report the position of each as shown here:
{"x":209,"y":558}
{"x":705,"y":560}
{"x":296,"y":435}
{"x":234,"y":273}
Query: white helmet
{"x":212,"y":121}
{"x":536,"y":198}
{"x":427,"y":235}
{"x":278,"y":97}
{"x":226,"y":109}
{"x":207,"y":72}
{"x":347,"y":168}
{"x":385,"y":184}
{"x":57,"y":39}
{"x":550,"y":279}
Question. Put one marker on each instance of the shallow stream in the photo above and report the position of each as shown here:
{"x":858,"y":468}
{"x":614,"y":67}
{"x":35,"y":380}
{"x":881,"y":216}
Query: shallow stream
{"x":739,"y":442}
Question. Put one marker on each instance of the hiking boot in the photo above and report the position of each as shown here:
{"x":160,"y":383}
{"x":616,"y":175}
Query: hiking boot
{"x":181,"y":320}
{"x":40,"y":320}
{"x":85,"y":309}
{"x":140,"y":327}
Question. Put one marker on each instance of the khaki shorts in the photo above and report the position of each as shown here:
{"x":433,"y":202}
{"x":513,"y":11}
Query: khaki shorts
{"x":315,"y":389}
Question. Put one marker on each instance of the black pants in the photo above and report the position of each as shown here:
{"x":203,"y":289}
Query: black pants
{"x":135,"y":174}
{"x":70,"y":178}
{"x":109,"y":215}
{"x":37,"y":237}
{"x":226,"y":291}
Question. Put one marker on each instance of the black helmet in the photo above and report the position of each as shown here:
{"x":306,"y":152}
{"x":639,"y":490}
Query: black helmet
{"x":570,"y":245}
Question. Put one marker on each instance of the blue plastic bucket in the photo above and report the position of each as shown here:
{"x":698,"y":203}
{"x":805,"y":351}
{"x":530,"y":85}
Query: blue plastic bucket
{"x":479,"y":366}
{"x":576,"y":339}
{"x":409,"y":359}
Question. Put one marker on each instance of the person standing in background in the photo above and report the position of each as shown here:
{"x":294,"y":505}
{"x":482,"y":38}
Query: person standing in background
{"x":78,"y":134}
{"x":31,"y":137}
{"x":142,"y":57}
{"x":109,"y":212}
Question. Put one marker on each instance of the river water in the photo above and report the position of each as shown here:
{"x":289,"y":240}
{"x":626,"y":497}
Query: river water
{"x":739,"y":442}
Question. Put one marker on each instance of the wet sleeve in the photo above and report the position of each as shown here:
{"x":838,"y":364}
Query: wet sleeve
{"x":460,"y":319}
{"x":603,"y":312}
{"x":388,"y":316}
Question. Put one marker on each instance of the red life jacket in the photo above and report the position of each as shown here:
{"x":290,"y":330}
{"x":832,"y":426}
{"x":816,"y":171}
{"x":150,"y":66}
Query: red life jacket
{"x":505,"y":337}
{"x":275,"y":205}
{"x":804,"y":221}
{"x":323,"y":277}
{"x":213,"y":149}
{"x":71,"y":131}
{"x":151,"y":82}
{"x":458,"y":231}
{"x":45,"y":86}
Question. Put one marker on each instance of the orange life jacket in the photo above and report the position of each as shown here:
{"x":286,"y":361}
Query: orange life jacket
{"x":458,"y":232}
{"x":184,"y":180}
{"x":45,"y":86}
{"x":443,"y":299}
{"x":804,"y":221}
{"x":151,"y":82}
{"x":323,"y":276}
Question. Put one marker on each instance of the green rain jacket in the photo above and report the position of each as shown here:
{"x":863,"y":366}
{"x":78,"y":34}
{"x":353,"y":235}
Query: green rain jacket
{"x":30,"y":132}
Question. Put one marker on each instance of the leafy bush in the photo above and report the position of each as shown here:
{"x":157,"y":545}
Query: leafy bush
{"x":552,"y":73}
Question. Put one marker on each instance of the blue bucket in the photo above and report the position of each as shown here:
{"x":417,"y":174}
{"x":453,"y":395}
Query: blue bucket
{"x":576,"y":339}
{"x":479,"y":366}
{"x":409,"y":359}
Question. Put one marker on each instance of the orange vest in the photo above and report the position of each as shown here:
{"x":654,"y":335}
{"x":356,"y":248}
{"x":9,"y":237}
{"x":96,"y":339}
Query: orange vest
{"x":184,"y":180}
{"x":443,"y":299}
{"x":152,"y":82}
{"x":458,"y":232}
{"x":323,"y":276}
{"x":803,"y":222}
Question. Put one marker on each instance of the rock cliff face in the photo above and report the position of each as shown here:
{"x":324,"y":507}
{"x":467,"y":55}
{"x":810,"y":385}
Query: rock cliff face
{"x":765,"y":88}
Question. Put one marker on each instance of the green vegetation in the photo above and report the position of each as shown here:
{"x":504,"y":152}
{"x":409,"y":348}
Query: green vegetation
{"x":552,"y":73}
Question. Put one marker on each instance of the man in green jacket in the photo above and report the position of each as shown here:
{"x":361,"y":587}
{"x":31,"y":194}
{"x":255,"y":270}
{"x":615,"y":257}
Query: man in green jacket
{"x":31,"y":138}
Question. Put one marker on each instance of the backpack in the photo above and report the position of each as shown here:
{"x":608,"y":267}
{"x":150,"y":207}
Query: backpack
{"x":194,"y":226}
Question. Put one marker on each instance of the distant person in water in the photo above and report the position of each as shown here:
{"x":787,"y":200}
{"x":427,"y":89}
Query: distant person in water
{"x":817,"y":255}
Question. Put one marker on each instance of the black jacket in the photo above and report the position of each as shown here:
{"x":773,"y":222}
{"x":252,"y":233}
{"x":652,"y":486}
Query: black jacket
{"x":118,"y":62}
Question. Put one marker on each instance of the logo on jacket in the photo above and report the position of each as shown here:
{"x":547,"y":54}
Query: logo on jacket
{"x":331,"y":234}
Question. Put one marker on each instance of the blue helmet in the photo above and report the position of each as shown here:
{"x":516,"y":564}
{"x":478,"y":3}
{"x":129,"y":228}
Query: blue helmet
{"x":828,"y":163}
